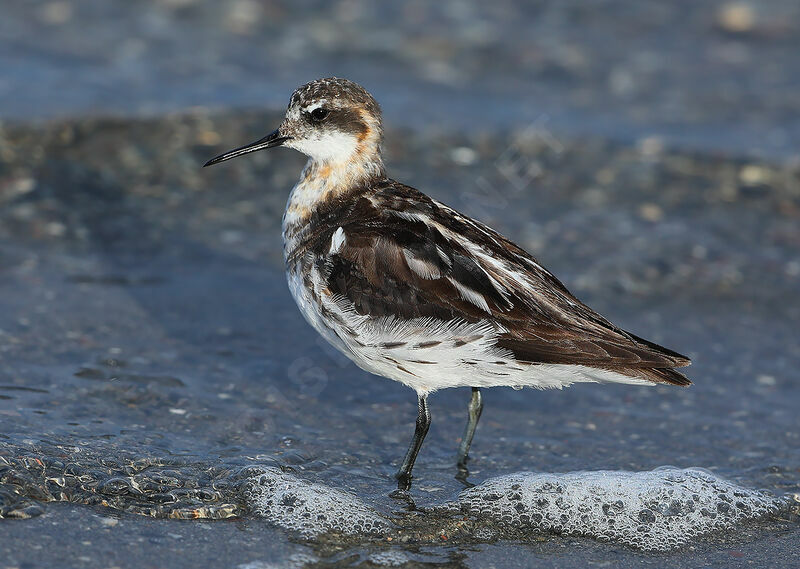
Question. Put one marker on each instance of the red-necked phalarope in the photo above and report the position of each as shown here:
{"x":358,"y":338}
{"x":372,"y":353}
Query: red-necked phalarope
{"x":414,"y":291}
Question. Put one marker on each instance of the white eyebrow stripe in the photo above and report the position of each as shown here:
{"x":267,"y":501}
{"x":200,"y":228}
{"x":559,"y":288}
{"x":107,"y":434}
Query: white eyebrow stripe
{"x":314,"y":106}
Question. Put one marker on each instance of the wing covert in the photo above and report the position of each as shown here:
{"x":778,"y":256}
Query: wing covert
{"x":407,"y":256}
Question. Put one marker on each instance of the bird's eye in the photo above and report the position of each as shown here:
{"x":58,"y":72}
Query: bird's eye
{"x":319,"y":114}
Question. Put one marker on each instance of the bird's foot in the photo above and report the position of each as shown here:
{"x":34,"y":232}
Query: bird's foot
{"x":462,"y":474}
{"x":404,"y":498}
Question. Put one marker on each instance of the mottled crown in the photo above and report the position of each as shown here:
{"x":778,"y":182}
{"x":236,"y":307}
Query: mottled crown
{"x":337,"y":91}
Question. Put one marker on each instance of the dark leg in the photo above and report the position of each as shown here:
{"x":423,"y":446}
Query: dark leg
{"x":475,"y":408}
{"x":423,"y":424}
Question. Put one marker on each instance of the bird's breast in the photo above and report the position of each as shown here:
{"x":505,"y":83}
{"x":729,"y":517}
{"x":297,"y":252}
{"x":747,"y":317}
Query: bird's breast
{"x":303,"y":200}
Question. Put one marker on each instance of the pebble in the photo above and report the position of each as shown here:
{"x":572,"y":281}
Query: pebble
{"x":56,"y":13}
{"x":463,"y":156}
{"x":766,"y":380}
{"x":753,"y":175}
{"x":651,"y":146}
{"x":109,"y":522}
{"x":736,"y":17}
{"x":651,"y":212}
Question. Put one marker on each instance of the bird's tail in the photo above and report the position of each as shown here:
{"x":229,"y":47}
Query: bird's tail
{"x":664,"y":375}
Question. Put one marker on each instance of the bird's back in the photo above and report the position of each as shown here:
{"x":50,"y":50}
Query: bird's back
{"x":403,"y":282}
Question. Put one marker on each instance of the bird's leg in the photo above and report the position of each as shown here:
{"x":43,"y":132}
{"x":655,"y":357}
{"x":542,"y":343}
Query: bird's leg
{"x":475,"y":408}
{"x":421,"y":429}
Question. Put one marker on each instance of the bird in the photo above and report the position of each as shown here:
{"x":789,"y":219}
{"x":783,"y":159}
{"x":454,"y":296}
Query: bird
{"x":414,"y":291}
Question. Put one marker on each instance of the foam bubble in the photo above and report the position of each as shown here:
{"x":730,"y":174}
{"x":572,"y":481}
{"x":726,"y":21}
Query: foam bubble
{"x":294,"y":561}
{"x":389,"y":558}
{"x":658,"y":510}
{"x":308,"y":508}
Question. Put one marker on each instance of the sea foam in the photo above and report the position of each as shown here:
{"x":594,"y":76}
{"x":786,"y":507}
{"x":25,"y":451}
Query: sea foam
{"x":308,"y":508}
{"x":657,"y":510}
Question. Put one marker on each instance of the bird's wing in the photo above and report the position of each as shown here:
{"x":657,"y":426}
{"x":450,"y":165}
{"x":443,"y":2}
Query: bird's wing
{"x":397,"y":252}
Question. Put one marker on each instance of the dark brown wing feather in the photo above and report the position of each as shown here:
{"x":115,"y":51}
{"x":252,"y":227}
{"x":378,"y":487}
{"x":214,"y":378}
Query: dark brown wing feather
{"x":407,"y":255}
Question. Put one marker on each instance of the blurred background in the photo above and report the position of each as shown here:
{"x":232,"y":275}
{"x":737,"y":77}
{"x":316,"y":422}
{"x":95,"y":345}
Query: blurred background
{"x":647,"y":152}
{"x":715,"y":74}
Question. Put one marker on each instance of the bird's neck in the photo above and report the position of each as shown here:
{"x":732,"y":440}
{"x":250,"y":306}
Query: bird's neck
{"x":322,"y":183}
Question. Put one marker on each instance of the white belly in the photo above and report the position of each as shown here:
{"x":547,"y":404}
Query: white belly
{"x":428,"y":354}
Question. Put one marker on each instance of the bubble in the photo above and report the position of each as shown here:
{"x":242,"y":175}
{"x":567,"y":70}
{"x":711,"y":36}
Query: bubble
{"x":656,"y":511}
{"x":296,"y":560}
{"x":308,"y":508}
{"x":393,"y":558}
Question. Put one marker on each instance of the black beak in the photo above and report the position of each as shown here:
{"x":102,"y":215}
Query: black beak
{"x":272,"y":140}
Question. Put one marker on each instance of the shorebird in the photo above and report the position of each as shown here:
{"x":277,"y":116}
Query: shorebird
{"x":412,"y":290}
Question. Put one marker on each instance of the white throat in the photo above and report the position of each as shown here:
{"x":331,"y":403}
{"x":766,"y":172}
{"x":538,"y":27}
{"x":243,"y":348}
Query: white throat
{"x":328,"y":148}
{"x":337,"y":164}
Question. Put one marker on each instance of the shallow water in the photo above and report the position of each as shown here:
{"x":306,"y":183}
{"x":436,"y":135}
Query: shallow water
{"x":657,"y":511}
{"x":158,"y":388}
{"x":698,"y":74}
{"x":153,"y":363}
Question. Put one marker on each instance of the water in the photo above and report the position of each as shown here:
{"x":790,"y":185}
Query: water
{"x":618,"y":68}
{"x":153,"y":364}
{"x":156,"y":378}
{"x":657,"y":511}
{"x":660,"y":510}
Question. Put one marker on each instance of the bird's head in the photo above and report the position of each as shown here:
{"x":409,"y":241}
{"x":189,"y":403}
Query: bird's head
{"x":333,"y":121}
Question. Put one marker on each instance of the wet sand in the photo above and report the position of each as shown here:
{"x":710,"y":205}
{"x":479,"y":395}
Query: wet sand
{"x":152,"y":361}
{"x":147,"y":331}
